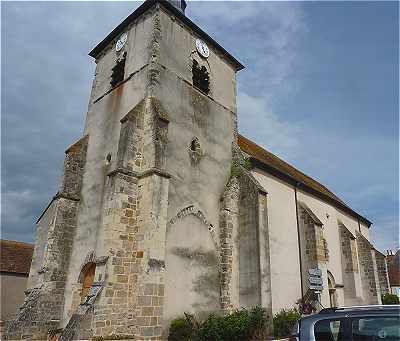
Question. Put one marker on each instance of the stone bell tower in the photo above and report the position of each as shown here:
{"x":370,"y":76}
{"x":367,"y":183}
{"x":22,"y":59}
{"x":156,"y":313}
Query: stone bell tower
{"x":143,"y":227}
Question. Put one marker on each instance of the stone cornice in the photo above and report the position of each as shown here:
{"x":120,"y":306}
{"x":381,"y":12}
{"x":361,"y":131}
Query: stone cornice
{"x":140,"y":175}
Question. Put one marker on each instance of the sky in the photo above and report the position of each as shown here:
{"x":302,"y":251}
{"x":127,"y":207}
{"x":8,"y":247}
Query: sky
{"x":320,"y":90}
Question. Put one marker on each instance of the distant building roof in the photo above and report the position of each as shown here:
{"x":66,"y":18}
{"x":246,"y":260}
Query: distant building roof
{"x":15,"y":257}
{"x":393,"y":264}
{"x":269,"y":162}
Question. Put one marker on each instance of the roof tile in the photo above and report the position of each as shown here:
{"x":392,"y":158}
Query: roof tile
{"x":15,"y":257}
{"x":272,"y":161}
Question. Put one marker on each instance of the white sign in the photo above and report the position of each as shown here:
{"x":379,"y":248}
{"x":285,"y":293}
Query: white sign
{"x":315,"y":280}
{"x":121,"y":42}
{"x":316,"y":287}
{"x":202,"y":48}
{"x":315,"y":272}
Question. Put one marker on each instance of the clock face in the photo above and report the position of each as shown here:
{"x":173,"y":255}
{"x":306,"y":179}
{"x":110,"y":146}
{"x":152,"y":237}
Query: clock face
{"x":202,"y":48}
{"x":121,"y":42}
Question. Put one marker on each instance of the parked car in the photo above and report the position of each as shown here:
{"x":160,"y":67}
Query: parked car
{"x":360,"y":323}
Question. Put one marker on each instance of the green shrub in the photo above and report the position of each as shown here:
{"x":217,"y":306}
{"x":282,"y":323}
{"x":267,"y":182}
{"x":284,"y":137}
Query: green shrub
{"x":180,"y":330}
{"x":240,"y":325}
{"x":390,"y":299}
{"x":236,"y":326}
{"x":284,"y":322}
{"x":211,"y":329}
{"x":258,"y":322}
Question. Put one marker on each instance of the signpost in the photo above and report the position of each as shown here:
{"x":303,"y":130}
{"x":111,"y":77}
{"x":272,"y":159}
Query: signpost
{"x":315,"y":287}
{"x":315,"y":282}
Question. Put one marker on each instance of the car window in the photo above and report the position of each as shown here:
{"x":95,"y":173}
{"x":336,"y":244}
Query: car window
{"x":328,"y":330}
{"x":376,"y":328}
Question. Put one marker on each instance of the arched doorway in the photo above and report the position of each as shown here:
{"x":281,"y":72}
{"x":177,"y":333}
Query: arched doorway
{"x":87,"y":279}
{"x":332,"y":290}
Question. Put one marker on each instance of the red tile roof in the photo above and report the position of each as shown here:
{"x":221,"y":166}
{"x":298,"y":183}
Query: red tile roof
{"x":278,"y":167}
{"x":15,"y":257}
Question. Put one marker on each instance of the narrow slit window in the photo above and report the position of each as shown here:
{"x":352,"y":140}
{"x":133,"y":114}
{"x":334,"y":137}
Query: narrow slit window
{"x":118,"y":71}
{"x":200,"y":77}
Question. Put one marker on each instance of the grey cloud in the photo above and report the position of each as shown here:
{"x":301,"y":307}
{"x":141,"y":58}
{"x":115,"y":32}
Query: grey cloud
{"x":46,"y":81}
{"x":47,"y":75}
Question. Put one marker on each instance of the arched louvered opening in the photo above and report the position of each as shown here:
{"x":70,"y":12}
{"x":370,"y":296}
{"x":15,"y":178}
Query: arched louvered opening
{"x":87,"y":277}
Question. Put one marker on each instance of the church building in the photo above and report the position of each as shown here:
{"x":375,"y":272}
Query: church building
{"x":164,"y":208}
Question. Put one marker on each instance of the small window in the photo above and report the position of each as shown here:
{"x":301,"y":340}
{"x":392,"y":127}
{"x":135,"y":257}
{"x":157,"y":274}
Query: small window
{"x":118,"y":71}
{"x":376,"y":328}
{"x":200,"y":77}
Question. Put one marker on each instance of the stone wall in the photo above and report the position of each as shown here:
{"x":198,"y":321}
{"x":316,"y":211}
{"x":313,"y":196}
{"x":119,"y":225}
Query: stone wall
{"x":113,"y":311}
{"x":249,"y":252}
{"x":349,"y":249}
{"x":314,"y":248}
{"x":350,"y":267}
{"x":244,"y":239}
{"x":132,"y":300}
{"x":44,"y":303}
{"x":75,"y":158}
{"x":229,"y":224}
{"x":134,"y":227}
{"x":382,"y":272}
{"x":130,"y":145}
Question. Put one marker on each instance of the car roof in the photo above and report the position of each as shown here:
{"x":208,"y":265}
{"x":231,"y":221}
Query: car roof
{"x":361,"y":308}
{"x":355,"y":311}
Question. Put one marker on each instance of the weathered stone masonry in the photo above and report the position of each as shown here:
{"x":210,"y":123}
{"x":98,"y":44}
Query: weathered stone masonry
{"x":228,"y":223}
{"x":366,"y":259}
{"x":244,"y":274}
{"x":43,"y":305}
{"x":382,"y":271}
{"x":348,"y":248}
{"x":313,"y":245}
{"x":134,"y":225}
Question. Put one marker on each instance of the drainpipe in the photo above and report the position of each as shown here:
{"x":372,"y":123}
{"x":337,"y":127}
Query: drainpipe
{"x":298,"y":239}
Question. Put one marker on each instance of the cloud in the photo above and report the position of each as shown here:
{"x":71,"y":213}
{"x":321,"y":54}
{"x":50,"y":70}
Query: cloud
{"x":229,"y":12}
{"x":270,"y":40}
{"x":258,"y":122}
{"x":385,"y":233}
{"x":46,"y":80}
{"x":17,"y":210}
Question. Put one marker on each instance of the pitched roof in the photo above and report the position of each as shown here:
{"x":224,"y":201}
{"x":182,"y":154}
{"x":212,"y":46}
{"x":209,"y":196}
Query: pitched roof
{"x":15,"y":257}
{"x":178,"y":14}
{"x":272,"y":164}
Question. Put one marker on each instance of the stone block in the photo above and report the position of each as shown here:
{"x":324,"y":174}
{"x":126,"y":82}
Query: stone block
{"x":147,"y":311}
